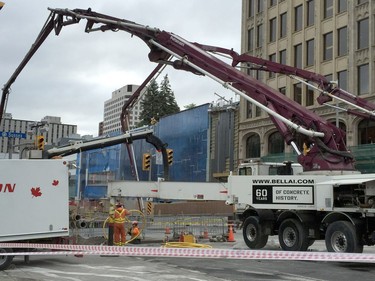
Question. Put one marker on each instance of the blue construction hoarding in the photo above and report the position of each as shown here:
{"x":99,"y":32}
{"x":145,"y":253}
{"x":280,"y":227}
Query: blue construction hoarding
{"x":185,"y":132}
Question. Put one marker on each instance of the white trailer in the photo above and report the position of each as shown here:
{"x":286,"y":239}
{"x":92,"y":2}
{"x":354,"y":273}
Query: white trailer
{"x":34,"y":201}
{"x":298,"y":208}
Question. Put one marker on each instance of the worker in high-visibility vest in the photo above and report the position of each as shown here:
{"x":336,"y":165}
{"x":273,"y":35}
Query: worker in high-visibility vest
{"x":119,"y":237}
{"x":134,"y":232}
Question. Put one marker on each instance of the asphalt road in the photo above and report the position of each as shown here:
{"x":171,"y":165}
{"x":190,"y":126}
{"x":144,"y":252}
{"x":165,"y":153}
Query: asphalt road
{"x":95,"y":268}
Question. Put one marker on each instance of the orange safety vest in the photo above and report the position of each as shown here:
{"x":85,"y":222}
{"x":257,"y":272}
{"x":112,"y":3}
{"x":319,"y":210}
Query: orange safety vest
{"x":120,"y":216}
{"x":135,"y":231}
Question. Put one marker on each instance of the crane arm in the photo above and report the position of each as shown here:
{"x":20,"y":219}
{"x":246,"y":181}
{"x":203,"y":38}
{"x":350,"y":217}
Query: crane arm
{"x":46,"y":30}
{"x":328,"y":89}
{"x":328,"y":150}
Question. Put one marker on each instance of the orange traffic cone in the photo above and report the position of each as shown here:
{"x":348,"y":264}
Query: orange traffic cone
{"x":167,"y":230}
{"x":231,"y":234}
{"x":205,"y":233}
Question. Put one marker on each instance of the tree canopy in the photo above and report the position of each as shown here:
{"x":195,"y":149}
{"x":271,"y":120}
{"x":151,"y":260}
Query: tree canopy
{"x":158,"y":101}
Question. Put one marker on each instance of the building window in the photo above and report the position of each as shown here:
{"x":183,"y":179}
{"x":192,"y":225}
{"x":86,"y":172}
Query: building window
{"x":129,"y":88}
{"x":298,"y":55}
{"x":328,"y":46}
{"x":282,"y":90}
{"x":250,"y":39}
{"x":366,"y":132}
{"x":249,"y":109}
{"x":283,"y":25}
{"x":273,"y":30}
{"x":253,"y":146}
{"x":310,"y":13}
{"x":259,"y":35}
{"x":310,"y":54}
{"x":297,"y":93}
{"x":328,"y":8}
{"x":328,"y":77}
{"x":342,"y":77}
{"x":259,"y":75}
{"x":251,"y":8}
{"x":282,"y":57}
{"x":273,"y":3}
{"x":363,"y":79}
{"x":363,"y":34}
{"x":272,"y":57}
{"x":309,"y":96}
{"x":342,"y":47}
{"x":342,"y":6}
{"x":275,"y":143}
{"x":260,"y":6}
{"x":258,"y":111}
{"x":298,"y":18}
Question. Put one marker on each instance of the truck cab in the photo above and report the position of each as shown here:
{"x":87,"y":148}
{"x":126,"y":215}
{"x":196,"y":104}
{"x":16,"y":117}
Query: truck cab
{"x":257,"y":168}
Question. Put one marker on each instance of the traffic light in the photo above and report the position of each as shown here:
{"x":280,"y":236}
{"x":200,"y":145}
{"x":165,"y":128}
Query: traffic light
{"x":146,"y":162}
{"x":40,"y":142}
{"x":170,"y":156}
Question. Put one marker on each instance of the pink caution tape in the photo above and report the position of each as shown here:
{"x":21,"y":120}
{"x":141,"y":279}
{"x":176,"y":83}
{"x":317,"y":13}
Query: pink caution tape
{"x":65,"y":249}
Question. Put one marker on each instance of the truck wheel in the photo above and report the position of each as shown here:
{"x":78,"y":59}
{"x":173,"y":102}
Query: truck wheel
{"x":293,"y":236}
{"x":341,"y":236}
{"x":5,"y":261}
{"x":253,"y":233}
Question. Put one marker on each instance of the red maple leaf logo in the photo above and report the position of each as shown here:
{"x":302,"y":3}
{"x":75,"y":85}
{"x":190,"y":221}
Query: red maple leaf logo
{"x":35,"y":192}
{"x":55,"y":182}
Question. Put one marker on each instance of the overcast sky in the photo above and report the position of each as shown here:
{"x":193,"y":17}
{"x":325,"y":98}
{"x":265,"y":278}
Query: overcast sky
{"x":72,"y":74}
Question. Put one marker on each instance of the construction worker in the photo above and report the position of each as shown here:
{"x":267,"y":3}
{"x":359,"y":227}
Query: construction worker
{"x":119,"y":215}
{"x":134,"y":233}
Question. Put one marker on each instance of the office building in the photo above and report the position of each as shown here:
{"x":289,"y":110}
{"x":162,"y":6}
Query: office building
{"x":333,"y":38}
{"x":113,"y":108}
{"x":17,"y":134}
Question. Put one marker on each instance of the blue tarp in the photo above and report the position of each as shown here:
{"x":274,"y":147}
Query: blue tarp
{"x":185,"y":132}
{"x":95,"y":191}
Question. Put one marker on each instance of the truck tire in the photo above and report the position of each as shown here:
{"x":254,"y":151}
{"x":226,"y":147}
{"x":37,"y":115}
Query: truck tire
{"x":5,"y":261}
{"x":253,"y":234}
{"x":342,"y":237}
{"x":293,"y":236}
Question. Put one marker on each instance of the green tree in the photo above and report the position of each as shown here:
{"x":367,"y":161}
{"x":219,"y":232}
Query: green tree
{"x":158,"y":102}
{"x":190,"y":106}
{"x":150,"y":104}
{"x":170,"y":105}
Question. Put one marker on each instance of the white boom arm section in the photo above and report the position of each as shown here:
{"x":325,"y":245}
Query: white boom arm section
{"x":169,"y":190}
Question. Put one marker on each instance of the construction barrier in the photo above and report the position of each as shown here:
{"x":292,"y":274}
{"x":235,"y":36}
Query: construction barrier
{"x":163,"y":227}
{"x":199,"y":226}
{"x":186,"y":253}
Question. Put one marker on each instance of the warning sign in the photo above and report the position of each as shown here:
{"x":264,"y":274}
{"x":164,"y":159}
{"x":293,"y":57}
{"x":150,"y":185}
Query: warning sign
{"x":295,"y":194}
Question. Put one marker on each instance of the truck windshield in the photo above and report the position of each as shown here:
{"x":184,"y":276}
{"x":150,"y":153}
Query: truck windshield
{"x":245,"y":171}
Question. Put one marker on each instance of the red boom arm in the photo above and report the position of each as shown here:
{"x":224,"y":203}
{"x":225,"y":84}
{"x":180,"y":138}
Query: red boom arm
{"x":327,"y":146}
